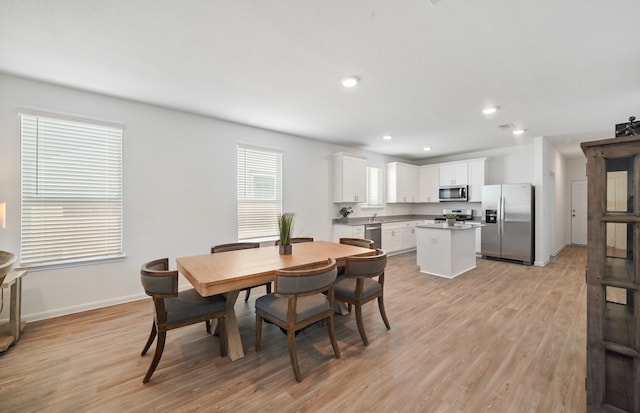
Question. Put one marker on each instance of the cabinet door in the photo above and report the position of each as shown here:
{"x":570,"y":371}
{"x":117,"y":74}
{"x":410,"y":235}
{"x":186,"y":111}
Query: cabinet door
{"x":407,"y":183}
{"x":391,"y":240}
{"x":454,"y":174}
{"x":360,"y":180}
{"x":350,"y":179}
{"x":476,"y":180}
{"x":402,"y":182}
{"x":428,"y":183}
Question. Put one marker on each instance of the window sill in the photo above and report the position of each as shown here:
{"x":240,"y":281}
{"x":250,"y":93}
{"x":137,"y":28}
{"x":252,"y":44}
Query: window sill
{"x":371,"y":206}
{"x":70,"y":263}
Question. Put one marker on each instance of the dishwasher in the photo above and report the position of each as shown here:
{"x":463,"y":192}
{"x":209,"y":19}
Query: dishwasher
{"x":374,"y":233}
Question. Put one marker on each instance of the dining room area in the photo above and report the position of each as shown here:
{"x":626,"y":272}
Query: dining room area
{"x":490,"y":340}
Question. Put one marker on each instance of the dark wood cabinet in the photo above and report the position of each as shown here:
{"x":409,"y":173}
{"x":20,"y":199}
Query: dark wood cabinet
{"x":613,"y":275}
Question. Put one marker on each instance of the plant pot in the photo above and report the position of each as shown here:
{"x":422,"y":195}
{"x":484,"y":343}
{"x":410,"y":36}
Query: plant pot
{"x":345,"y":220}
{"x":451,"y":221}
{"x":286,"y":249}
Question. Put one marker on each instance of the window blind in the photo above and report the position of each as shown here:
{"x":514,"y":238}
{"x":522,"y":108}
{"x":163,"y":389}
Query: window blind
{"x":259,"y":192}
{"x":374,"y":186}
{"x":71,"y":190}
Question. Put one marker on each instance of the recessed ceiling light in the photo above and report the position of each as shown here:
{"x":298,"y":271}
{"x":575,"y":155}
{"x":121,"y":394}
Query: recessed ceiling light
{"x":387,"y":137}
{"x":350,"y":81}
{"x":518,"y":131}
{"x":426,"y":148}
{"x":489,"y":110}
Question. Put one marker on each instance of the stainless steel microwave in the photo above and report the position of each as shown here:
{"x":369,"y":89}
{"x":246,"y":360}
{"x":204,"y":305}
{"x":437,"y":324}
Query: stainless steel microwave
{"x":453,"y":193}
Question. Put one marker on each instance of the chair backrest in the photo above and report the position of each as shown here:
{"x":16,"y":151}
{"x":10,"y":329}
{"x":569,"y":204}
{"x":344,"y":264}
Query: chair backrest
{"x":367,"y":266}
{"x":235,"y":246}
{"x":306,"y":279}
{"x":297,"y":240}
{"x":359,"y":242}
{"x":157,"y":280}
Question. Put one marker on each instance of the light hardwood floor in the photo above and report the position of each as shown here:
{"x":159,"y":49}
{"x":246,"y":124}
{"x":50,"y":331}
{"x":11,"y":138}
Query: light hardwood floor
{"x":500,"y":338}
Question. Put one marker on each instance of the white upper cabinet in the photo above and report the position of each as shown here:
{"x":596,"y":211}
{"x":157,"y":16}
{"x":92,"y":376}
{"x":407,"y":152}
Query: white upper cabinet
{"x":349,"y":178}
{"x":454,"y":174}
{"x":476,"y":180}
{"x":428,"y":183}
{"x":402,"y":182}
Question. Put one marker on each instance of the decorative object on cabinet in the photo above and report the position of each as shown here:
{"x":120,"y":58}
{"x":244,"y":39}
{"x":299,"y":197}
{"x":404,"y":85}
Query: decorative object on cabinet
{"x":613,"y":275}
{"x":451,"y":219}
{"x":285,"y":225}
{"x":345,"y":211}
{"x":630,"y":128}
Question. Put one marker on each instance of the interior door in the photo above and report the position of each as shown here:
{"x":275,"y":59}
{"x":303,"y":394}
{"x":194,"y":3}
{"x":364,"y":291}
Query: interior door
{"x":579,"y":212}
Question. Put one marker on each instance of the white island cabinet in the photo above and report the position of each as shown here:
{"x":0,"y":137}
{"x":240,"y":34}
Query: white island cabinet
{"x":446,"y":251}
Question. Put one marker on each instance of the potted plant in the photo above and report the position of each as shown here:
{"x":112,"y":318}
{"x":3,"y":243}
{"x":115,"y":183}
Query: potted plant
{"x":451,"y":219}
{"x":285,"y":225}
{"x":345,"y":211}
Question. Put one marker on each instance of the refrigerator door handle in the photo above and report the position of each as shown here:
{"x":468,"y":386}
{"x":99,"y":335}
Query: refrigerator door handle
{"x":501,"y":216}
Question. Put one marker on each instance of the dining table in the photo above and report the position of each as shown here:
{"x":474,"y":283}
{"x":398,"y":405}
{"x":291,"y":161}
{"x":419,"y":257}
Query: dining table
{"x":228,"y":272}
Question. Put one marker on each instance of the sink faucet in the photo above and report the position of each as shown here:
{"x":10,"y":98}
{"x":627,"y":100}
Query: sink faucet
{"x":373,"y":218}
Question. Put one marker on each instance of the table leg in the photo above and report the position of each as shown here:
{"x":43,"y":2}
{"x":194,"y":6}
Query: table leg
{"x":234,"y":342}
{"x":15,"y":309}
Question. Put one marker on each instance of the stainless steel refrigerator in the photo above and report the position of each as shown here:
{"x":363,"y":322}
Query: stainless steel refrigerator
{"x":508,"y":218}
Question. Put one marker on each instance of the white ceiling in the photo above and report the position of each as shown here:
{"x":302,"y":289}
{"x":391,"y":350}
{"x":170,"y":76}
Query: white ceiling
{"x":568,"y":70}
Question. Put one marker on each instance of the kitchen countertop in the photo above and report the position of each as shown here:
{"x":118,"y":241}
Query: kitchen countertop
{"x":391,"y":218}
{"x":450,"y":227}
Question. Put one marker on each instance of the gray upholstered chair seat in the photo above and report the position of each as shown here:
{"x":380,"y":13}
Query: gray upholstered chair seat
{"x":346,"y":287}
{"x":306,"y":307}
{"x":189,"y":304}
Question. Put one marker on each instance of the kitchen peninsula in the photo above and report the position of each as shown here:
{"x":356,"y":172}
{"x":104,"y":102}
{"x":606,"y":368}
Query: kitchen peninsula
{"x":446,"y":251}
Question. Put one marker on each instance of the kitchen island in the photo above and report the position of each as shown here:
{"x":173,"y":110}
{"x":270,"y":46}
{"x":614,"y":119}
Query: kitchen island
{"x":446,"y":251}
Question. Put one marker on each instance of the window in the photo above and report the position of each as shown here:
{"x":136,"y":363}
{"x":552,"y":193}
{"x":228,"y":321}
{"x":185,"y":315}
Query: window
{"x":259,"y":192}
{"x":374,"y":186}
{"x":71,"y":191}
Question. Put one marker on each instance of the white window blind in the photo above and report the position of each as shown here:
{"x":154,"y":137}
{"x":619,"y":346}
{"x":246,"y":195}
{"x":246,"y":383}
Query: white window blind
{"x":71,"y":191}
{"x":374,"y":186}
{"x":259,"y":192}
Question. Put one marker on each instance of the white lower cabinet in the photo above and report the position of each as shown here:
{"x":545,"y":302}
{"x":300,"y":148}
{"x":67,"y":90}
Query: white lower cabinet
{"x":347,"y":231}
{"x":399,"y":236}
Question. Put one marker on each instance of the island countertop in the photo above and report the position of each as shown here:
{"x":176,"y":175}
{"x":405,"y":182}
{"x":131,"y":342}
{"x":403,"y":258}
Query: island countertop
{"x":450,"y":227}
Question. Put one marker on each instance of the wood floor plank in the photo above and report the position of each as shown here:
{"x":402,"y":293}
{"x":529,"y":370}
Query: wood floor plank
{"x":500,"y":338}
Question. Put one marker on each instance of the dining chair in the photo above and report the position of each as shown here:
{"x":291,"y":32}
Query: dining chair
{"x":359,"y":242}
{"x":174,"y":309}
{"x":240,"y":246}
{"x":299,"y":301}
{"x":357,"y":286}
{"x":297,"y":240}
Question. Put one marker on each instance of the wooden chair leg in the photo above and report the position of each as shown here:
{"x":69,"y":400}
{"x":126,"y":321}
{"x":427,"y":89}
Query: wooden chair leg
{"x":246,"y":295}
{"x":268,"y":288}
{"x":258,"y":333}
{"x":208,"y":326}
{"x":293,"y":355}
{"x":222,"y":336}
{"x":162,"y":336}
{"x":383,"y":313}
{"x":332,"y":336}
{"x":152,"y":337}
{"x":361,"y":324}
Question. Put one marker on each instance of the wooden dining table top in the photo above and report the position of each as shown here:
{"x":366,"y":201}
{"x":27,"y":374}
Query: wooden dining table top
{"x":223,"y":272}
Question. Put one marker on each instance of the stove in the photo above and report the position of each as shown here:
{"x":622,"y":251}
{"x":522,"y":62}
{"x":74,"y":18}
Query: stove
{"x":462,"y":215}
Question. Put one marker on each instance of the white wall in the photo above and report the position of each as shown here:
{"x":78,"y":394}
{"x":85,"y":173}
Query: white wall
{"x":179,"y":189}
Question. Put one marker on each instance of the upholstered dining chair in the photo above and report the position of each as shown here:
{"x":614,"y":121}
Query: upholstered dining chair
{"x":240,"y":246}
{"x":357,"y":286}
{"x":359,"y":242}
{"x":173,"y":309}
{"x":298,"y":302}
{"x":297,"y":240}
